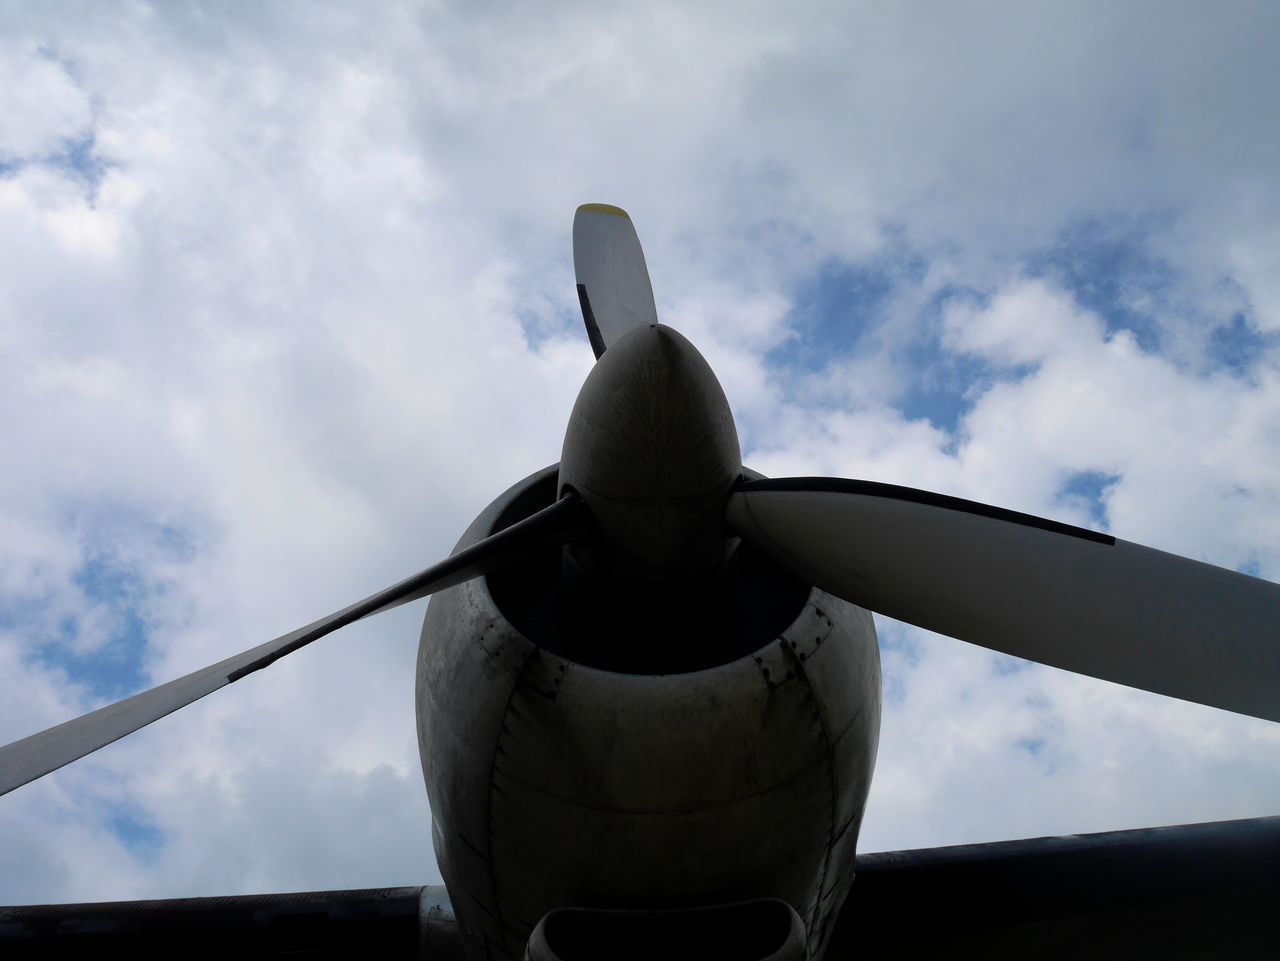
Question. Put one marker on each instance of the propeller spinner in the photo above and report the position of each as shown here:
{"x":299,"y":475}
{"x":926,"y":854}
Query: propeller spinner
{"x":652,"y":450}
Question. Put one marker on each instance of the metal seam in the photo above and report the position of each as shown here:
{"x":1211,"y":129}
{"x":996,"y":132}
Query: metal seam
{"x":831,"y":780}
{"x":493,"y":767}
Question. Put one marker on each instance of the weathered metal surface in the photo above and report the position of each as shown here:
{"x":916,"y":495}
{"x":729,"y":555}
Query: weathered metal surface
{"x":553,"y":784}
{"x":651,"y":447}
{"x":468,"y":663}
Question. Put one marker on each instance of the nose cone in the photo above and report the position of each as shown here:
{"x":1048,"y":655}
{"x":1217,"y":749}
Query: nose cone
{"x":651,"y":447}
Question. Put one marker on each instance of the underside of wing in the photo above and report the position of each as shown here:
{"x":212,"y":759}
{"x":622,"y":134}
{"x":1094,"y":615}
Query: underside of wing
{"x":1190,"y":891}
{"x":412,"y":922}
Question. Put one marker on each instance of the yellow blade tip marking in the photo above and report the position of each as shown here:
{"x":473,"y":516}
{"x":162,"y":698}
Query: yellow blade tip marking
{"x":606,"y":209}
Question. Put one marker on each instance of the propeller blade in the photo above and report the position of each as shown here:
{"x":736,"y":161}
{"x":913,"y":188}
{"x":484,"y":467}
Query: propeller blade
{"x":613,"y":282}
{"x":37,"y":755}
{"x":1061,"y":595}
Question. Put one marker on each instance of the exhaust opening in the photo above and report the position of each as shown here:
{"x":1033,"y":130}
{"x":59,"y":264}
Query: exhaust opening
{"x":765,"y":929}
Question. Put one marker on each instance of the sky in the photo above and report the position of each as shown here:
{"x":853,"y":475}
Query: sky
{"x":286,"y":297}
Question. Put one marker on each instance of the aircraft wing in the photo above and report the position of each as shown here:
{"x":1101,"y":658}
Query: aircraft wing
{"x":1190,"y":891}
{"x":410,"y":923}
{"x":1184,"y":892}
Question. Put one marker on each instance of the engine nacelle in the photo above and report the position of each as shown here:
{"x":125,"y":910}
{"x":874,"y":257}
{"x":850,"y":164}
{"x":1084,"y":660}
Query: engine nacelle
{"x":555,"y":784}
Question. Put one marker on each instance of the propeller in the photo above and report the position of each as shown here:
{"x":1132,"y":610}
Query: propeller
{"x":1034,"y":588}
{"x":33,"y":757}
{"x":1027,"y":586}
{"x":614,"y":290}
{"x":613,"y":281}
{"x":650,"y":482}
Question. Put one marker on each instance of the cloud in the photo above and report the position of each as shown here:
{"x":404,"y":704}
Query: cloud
{"x":286,"y":297}
{"x":45,"y":110}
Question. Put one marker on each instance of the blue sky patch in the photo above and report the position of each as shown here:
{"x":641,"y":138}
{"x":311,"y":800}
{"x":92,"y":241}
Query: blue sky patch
{"x":1110,"y":270}
{"x":1089,"y":487}
{"x":943,"y":384}
{"x":847,"y":308}
{"x":1238,"y":345}
{"x":834,"y":311}
{"x":113,"y":591}
{"x":136,"y":831}
{"x":76,"y":155}
{"x":79,"y":158}
{"x":1003,"y":665}
{"x":115,"y":669}
{"x":1032,"y":745}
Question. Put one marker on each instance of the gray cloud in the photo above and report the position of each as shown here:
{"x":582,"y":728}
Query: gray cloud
{"x":286,"y":298}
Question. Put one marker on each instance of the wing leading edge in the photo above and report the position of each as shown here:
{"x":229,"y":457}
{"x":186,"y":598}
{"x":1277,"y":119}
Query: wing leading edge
{"x":1189,"y":891}
{"x":411,"y":922}
{"x":1185,"y":892}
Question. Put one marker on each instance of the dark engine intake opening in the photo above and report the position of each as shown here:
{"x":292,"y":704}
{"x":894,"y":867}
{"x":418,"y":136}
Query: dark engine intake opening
{"x":766,"y":929}
{"x":642,"y":628}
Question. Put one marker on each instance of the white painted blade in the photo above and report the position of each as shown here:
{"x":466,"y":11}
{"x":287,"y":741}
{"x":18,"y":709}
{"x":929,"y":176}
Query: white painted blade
{"x":613,"y":281}
{"x":37,"y":755}
{"x":1048,"y":592}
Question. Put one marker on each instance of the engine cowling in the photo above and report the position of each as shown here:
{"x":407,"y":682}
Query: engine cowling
{"x":555,"y":783}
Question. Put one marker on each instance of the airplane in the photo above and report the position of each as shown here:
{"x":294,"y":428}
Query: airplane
{"x":648,"y":705}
